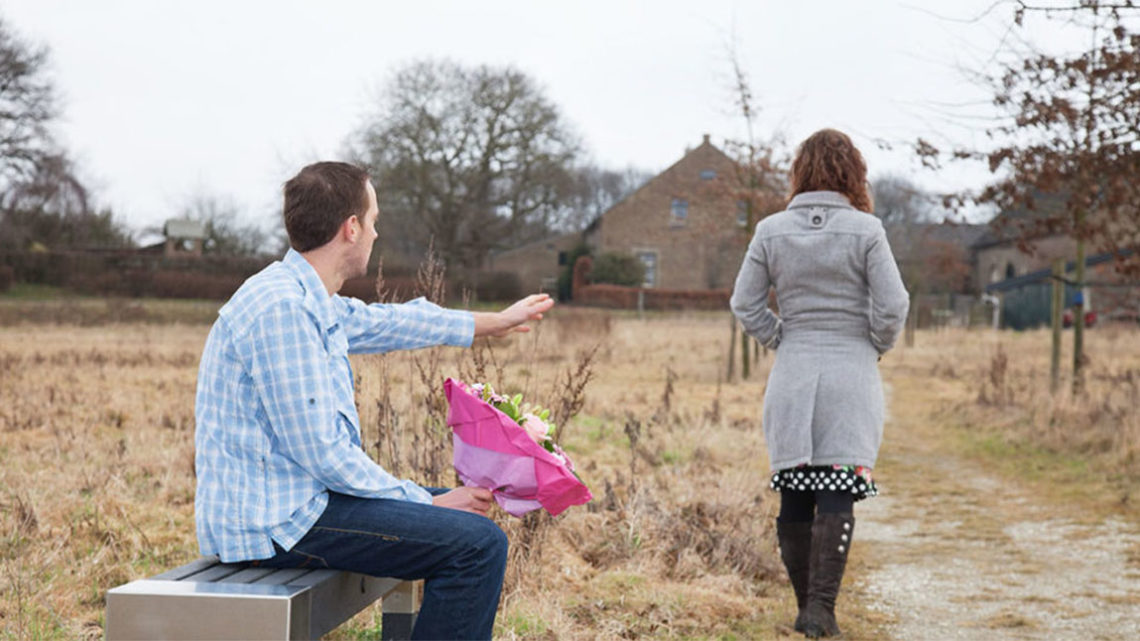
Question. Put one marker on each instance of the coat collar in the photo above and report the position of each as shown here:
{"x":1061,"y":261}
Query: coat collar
{"x":317,"y":298}
{"x":820,"y":199}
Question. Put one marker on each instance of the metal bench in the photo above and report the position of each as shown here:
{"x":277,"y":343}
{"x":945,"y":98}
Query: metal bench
{"x":207,"y":599}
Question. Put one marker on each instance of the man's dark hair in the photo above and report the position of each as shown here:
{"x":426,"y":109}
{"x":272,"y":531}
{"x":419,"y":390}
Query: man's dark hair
{"x":319,"y":199}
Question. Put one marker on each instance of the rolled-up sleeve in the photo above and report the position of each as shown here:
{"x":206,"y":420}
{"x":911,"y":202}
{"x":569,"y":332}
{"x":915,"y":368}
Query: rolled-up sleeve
{"x":750,"y":296}
{"x":386,"y":327}
{"x":889,"y":299}
{"x":289,"y":364}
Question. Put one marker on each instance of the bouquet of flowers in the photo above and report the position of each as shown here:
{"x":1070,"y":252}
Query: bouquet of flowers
{"x":505,"y":446}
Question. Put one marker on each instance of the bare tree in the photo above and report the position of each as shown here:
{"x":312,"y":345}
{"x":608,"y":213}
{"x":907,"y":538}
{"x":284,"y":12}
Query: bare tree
{"x":1070,"y":137}
{"x":912,"y":216}
{"x":27,"y":106}
{"x":759,"y":184}
{"x":50,"y":208}
{"x":594,"y":191}
{"x":900,"y":203}
{"x":476,"y":158}
{"x":42,"y":201}
{"x":226,"y":232}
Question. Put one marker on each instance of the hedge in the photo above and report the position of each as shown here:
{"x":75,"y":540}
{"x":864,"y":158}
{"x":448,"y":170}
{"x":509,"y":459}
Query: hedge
{"x":618,"y":297}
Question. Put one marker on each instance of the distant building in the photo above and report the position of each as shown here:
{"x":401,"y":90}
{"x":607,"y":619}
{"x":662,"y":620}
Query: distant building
{"x":686,"y":225}
{"x":537,"y":264}
{"x":1023,"y":281}
{"x":183,"y":237}
{"x":1026,"y":299}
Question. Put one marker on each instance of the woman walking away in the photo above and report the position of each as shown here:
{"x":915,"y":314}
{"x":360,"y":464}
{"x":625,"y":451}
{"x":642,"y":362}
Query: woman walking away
{"x":842,"y":304}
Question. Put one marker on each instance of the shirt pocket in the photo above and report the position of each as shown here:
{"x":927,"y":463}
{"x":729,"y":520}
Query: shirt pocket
{"x":345,"y":424}
{"x":336,"y":343}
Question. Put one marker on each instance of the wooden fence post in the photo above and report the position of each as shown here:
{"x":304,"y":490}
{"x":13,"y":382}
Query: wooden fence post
{"x":731,"y":349}
{"x":911,"y":321}
{"x":1055,"y":317}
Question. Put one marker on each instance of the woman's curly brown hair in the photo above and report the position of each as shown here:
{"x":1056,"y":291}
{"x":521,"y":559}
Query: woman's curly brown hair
{"x":829,"y":161}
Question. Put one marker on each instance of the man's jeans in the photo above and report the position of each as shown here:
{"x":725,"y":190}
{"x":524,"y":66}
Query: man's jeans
{"x":460,"y":555}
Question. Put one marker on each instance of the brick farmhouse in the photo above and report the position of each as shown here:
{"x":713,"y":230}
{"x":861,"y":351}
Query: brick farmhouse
{"x":687,"y":225}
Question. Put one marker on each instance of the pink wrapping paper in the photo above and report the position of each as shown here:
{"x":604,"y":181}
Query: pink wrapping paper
{"x":493,"y":452}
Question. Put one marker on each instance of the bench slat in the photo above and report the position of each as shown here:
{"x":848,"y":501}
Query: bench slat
{"x":283,"y":577}
{"x":215,"y":573}
{"x":248,"y":575}
{"x":191,"y":568}
{"x":314,"y":577}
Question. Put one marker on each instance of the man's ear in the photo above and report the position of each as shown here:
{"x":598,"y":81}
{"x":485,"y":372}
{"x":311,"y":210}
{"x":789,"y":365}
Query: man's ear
{"x":350,"y":228}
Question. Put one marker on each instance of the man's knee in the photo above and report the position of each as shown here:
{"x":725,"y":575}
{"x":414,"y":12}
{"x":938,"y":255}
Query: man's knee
{"x":490,"y":542}
{"x":497,"y":541}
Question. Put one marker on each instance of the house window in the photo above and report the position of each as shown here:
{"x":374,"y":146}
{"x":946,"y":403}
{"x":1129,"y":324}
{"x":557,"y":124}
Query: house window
{"x":741,"y":213}
{"x":708,"y":174}
{"x":1010,"y":270}
{"x":649,"y":260}
{"x":561,"y":258}
{"x":679,"y":211}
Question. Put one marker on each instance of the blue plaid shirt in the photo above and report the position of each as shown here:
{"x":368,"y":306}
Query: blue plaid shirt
{"x":277,"y":427}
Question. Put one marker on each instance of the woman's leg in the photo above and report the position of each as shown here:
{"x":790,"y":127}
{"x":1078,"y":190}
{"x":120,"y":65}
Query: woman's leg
{"x":831,"y":536}
{"x":796,"y":506}
{"x":793,"y":530}
{"x":836,"y":502}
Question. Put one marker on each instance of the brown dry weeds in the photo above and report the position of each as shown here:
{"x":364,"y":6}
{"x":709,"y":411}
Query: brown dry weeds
{"x":96,"y":474}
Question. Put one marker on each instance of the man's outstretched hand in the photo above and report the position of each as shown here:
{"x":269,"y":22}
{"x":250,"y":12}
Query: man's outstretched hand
{"x":513,"y":318}
{"x":468,"y":499}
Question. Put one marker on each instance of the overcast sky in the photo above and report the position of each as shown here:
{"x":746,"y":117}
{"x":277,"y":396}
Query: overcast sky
{"x":163,"y":101}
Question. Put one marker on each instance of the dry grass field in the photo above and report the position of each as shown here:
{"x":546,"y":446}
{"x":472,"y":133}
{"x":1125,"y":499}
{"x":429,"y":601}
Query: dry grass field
{"x":96,"y":462}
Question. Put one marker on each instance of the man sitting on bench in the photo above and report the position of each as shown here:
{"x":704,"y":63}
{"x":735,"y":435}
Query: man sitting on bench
{"x":282,"y":478}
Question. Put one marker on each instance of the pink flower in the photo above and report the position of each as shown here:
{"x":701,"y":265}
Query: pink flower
{"x":535,"y":427}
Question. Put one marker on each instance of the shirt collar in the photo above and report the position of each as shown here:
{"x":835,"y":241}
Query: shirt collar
{"x":820,"y":199}
{"x":317,"y":298}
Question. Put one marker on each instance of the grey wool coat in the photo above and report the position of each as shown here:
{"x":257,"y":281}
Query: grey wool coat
{"x":842,"y":304}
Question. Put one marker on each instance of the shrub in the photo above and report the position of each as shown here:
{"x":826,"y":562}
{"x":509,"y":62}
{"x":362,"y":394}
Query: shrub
{"x":618,"y":269}
{"x":618,"y":297}
{"x":566,"y":276}
{"x":497,"y":286}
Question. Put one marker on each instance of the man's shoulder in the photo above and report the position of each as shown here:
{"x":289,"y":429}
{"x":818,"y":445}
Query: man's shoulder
{"x":271,"y":287}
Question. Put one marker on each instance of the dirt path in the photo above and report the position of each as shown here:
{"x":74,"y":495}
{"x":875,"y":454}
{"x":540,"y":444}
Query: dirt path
{"x":953,"y":551}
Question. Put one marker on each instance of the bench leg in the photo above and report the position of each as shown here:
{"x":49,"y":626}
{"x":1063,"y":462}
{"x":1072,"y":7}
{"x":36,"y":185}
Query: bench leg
{"x":400,"y":608}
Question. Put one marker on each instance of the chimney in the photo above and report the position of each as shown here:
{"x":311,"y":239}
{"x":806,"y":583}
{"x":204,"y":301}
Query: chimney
{"x":706,"y":139}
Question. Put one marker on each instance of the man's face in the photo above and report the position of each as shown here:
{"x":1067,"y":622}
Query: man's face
{"x":368,"y":233}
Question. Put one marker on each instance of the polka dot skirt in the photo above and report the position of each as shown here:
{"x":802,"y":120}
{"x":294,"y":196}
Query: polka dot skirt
{"x":855,"y":479}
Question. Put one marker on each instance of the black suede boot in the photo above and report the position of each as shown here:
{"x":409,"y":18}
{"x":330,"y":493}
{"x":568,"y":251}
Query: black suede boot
{"x":830,"y":542}
{"x":795,"y":550}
